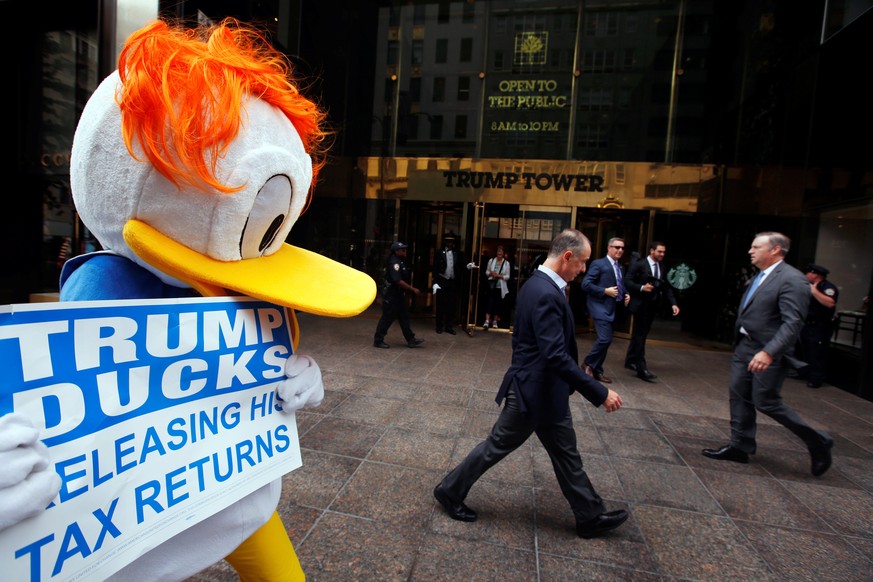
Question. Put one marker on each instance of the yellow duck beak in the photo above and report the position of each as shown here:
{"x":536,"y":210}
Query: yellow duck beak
{"x":291,"y":277}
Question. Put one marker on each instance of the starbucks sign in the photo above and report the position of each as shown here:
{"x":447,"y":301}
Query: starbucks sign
{"x":682,"y":276}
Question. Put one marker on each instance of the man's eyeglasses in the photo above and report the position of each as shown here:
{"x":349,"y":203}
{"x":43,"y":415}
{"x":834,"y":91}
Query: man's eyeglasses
{"x":617,"y":247}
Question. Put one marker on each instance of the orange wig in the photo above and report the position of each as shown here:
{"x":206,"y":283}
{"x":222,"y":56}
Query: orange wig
{"x":182,"y":97}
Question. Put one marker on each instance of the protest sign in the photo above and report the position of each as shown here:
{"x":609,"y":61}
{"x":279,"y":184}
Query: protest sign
{"x":157,"y":414}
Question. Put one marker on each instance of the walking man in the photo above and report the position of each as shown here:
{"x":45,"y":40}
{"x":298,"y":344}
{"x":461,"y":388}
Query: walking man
{"x":647,"y":285}
{"x":398,"y":277}
{"x":606,"y":294}
{"x":536,"y":388}
{"x":771,"y":315}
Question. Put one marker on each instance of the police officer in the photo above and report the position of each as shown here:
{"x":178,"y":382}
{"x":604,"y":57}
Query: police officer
{"x":816,"y":334}
{"x":394,"y":304}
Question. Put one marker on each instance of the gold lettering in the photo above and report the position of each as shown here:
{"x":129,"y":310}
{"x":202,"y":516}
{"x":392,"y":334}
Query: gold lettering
{"x":502,"y":101}
{"x":532,"y":126}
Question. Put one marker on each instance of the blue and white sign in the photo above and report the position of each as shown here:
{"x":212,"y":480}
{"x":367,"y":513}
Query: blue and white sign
{"x":157,"y":414}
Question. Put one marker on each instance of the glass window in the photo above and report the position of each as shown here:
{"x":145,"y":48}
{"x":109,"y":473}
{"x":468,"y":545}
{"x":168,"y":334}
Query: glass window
{"x":463,"y":88}
{"x":442,"y":50}
{"x":443,"y":15}
{"x":599,"y":61}
{"x":415,"y":89}
{"x":393,"y":48}
{"x":601,"y":24}
{"x":592,"y":136}
{"x":417,"y":52}
{"x":460,"y":126}
{"x":624,"y":97}
{"x":436,"y":127}
{"x":469,"y":12}
{"x":466,"y":50}
{"x":439,"y":89}
{"x":595,"y":99}
{"x":500,"y":25}
{"x":498,"y":60}
{"x":394,"y":16}
{"x":418,"y":15}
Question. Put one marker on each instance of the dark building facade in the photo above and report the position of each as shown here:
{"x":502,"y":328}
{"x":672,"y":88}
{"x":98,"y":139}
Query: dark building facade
{"x":694,"y":123}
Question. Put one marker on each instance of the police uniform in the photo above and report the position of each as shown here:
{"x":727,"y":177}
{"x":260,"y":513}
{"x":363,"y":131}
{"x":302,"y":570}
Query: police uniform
{"x":817,"y":330}
{"x":394,"y":303}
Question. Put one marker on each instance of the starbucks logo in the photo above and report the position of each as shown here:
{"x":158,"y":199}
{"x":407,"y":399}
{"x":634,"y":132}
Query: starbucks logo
{"x":682,"y":276}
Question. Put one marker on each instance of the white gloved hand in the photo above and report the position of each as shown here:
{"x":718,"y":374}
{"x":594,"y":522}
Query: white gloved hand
{"x":302,"y":386}
{"x":28,"y":482}
{"x":472,"y":265}
{"x":436,"y":288}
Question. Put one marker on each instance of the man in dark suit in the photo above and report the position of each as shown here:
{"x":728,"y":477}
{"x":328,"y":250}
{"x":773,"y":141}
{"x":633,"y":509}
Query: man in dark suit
{"x":537,"y":387}
{"x":606,"y":294}
{"x":647,"y":285}
{"x":448,"y":267}
{"x":770,"y":318}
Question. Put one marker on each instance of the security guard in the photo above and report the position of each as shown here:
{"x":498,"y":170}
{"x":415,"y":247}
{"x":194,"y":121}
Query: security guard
{"x":394,"y":304}
{"x":819,"y":327}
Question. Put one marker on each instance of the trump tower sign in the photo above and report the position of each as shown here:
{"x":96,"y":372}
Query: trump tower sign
{"x":157,"y":414}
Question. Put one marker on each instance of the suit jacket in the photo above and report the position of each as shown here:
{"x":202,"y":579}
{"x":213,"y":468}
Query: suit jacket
{"x":638,"y":275}
{"x":545,"y":359}
{"x":601,"y":275}
{"x":775,"y":314}
{"x":440,"y":262}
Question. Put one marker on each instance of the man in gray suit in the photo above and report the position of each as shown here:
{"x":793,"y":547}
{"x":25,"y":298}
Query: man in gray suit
{"x":770,"y":318}
{"x":537,"y":387}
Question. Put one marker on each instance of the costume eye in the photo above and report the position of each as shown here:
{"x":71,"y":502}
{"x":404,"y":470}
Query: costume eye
{"x":271,"y":208}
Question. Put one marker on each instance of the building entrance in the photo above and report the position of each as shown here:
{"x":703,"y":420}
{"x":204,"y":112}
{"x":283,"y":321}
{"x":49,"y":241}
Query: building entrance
{"x":524,"y":233}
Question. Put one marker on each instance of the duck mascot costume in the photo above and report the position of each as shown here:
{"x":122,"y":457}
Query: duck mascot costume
{"x":190,"y":164}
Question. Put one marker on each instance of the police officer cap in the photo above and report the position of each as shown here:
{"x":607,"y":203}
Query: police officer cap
{"x":818,"y":270}
{"x":450,"y":236}
{"x":397,"y":246}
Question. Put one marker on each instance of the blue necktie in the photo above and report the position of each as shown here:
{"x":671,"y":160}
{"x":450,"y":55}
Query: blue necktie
{"x":620,"y":296}
{"x":755,"y":282}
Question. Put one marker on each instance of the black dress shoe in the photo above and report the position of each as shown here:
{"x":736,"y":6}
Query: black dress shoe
{"x":631,"y":367}
{"x":645,"y":375}
{"x":814,"y":384}
{"x":821,"y":459}
{"x":727,"y":453}
{"x":451,"y":331}
{"x":439,"y":330}
{"x":382,"y":345}
{"x":415,"y":342}
{"x":601,"y":524}
{"x":454,"y":510}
